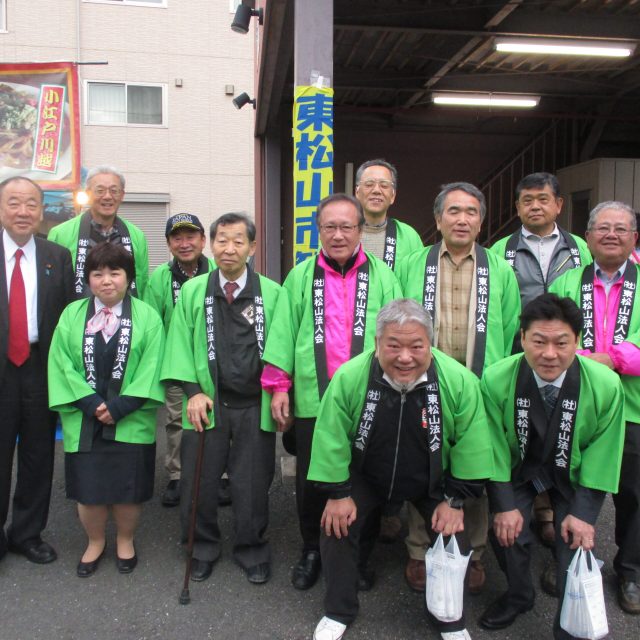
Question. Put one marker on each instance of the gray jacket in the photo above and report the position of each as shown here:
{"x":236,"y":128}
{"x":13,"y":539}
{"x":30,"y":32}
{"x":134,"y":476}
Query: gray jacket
{"x":531,"y":280}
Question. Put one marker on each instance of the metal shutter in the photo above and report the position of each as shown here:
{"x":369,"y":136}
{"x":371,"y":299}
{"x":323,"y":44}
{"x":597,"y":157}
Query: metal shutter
{"x":151,"y":217}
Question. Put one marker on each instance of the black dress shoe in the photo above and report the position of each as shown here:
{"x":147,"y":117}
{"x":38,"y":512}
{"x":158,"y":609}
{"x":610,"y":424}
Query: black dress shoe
{"x":259,"y":573}
{"x":126,"y":565}
{"x":224,"y":495}
{"x":306,"y":572}
{"x":629,"y":596}
{"x":171,"y":495}
{"x":86,"y":569}
{"x":366,"y":578}
{"x":501,"y":614}
{"x":36,"y":551}
{"x":201,"y":569}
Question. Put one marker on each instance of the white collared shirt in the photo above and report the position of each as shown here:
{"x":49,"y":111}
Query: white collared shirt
{"x":29,"y":271}
{"x":556,"y":383}
{"x":542,"y":246}
{"x":241,"y":282}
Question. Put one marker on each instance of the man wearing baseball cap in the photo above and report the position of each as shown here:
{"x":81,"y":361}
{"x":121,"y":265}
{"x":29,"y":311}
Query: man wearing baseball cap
{"x":186,"y":240}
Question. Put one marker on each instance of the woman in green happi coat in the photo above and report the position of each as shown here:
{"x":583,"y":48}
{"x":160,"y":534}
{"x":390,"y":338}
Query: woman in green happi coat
{"x":104,"y":369}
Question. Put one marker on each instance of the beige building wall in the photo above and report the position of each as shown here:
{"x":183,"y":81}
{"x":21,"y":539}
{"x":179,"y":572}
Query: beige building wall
{"x":203,"y":157}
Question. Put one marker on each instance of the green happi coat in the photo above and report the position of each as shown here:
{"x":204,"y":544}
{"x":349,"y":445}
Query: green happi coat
{"x":159,"y":292}
{"x":407,"y":241}
{"x":67,"y":382}
{"x":291,"y":345}
{"x":186,"y":353}
{"x":596,"y":452}
{"x":67,"y":234}
{"x":569,"y":285}
{"x":467,"y":450}
{"x":503,"y":320}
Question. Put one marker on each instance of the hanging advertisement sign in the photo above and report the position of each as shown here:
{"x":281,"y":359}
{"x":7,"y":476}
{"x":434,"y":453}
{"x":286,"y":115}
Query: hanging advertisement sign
{"x":40,"y":123}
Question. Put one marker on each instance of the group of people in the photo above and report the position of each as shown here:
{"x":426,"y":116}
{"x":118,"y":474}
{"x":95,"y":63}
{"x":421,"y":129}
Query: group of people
{"x":466,"y":382}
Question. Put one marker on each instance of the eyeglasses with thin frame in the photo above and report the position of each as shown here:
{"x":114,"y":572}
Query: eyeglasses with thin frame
{"x":101,"y":191}
{"x":330,"y":229}
{"x":605,"y":230}
{"x":385,"y":185}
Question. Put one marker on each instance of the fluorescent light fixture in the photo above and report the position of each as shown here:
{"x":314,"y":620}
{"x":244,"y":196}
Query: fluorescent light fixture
{"x":565,"y":47}
{"x":485,"y":99}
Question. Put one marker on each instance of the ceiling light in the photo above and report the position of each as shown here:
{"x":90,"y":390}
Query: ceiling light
{"x":485,"y":99}
{"x":566,"y":47}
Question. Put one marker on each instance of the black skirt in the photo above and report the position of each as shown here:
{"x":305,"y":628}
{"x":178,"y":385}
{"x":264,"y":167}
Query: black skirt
{"x":113,"y":473}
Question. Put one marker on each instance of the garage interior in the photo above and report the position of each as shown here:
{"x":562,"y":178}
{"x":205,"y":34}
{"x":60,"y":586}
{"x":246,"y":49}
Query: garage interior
{"x":386,"y":60}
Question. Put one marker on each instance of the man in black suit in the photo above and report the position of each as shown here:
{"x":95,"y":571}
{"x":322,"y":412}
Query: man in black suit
{"x":36,"y":283}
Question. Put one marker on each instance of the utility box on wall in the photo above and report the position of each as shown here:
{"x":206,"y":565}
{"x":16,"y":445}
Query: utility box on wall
{"x":586,"y":184}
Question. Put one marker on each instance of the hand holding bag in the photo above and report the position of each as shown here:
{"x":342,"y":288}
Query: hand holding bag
{"x":583,"y":612}
{"x":446,"y":568}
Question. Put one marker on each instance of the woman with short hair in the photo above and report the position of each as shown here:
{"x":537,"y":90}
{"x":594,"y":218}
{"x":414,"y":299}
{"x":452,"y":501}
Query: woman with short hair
{"x":103,"y":380}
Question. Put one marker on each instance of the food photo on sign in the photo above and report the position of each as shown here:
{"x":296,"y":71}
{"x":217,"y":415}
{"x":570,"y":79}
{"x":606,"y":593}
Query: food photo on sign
{"x":39,"y":124}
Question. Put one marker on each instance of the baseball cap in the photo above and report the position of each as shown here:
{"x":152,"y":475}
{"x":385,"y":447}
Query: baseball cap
{"x":183,"y":221}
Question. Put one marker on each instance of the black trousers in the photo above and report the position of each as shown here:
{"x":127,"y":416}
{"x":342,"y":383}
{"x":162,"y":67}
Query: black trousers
{"x":24,"y":414}
{"x":309,"y":501}
{"x":341,"y":557}
{"x":247,"y":453}
{"x":515,"y":560}
{"x":627,"y":503}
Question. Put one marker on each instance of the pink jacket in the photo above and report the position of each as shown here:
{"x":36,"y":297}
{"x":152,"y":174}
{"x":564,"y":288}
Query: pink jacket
{"x":340,"y":294}
{"x":625,"y":356}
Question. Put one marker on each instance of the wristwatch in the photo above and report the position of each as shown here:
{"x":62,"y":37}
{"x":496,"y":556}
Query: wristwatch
{"x":454,"y":503}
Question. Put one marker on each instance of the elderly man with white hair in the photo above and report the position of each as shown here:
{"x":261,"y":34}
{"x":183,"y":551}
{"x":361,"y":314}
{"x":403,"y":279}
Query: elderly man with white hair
{"x":606,"y":292}
{"x":101,"y":223}
{"x":403,"y":422}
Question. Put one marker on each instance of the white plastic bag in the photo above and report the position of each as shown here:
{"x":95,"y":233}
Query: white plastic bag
{"x":446,"y":568}
{"x":583,"y":612}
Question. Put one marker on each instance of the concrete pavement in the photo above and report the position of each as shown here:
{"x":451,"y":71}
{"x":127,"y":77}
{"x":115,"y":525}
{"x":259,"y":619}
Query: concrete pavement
{"x":50,"y":603}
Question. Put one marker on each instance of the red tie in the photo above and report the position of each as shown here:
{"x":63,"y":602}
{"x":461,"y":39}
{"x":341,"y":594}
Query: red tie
{"x":18,"y":350}
{"x":229,"y":288}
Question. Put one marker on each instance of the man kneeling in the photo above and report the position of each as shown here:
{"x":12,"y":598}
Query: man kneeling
{"x":403,"y":423}
{"x":557,"y":425}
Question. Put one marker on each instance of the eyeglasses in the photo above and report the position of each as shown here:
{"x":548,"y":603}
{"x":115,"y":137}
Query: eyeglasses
{"x":385,"y":185}
{"x":605,"y":230}
{"x":330,"y":229}
{"x":101,"y":191}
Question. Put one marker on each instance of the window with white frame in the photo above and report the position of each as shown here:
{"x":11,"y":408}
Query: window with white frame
{"x":140,"y":3}
{"x":126,"y":103}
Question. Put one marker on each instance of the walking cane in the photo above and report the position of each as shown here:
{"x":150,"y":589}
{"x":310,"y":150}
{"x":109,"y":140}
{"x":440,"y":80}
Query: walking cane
{"x":185,"y":598}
